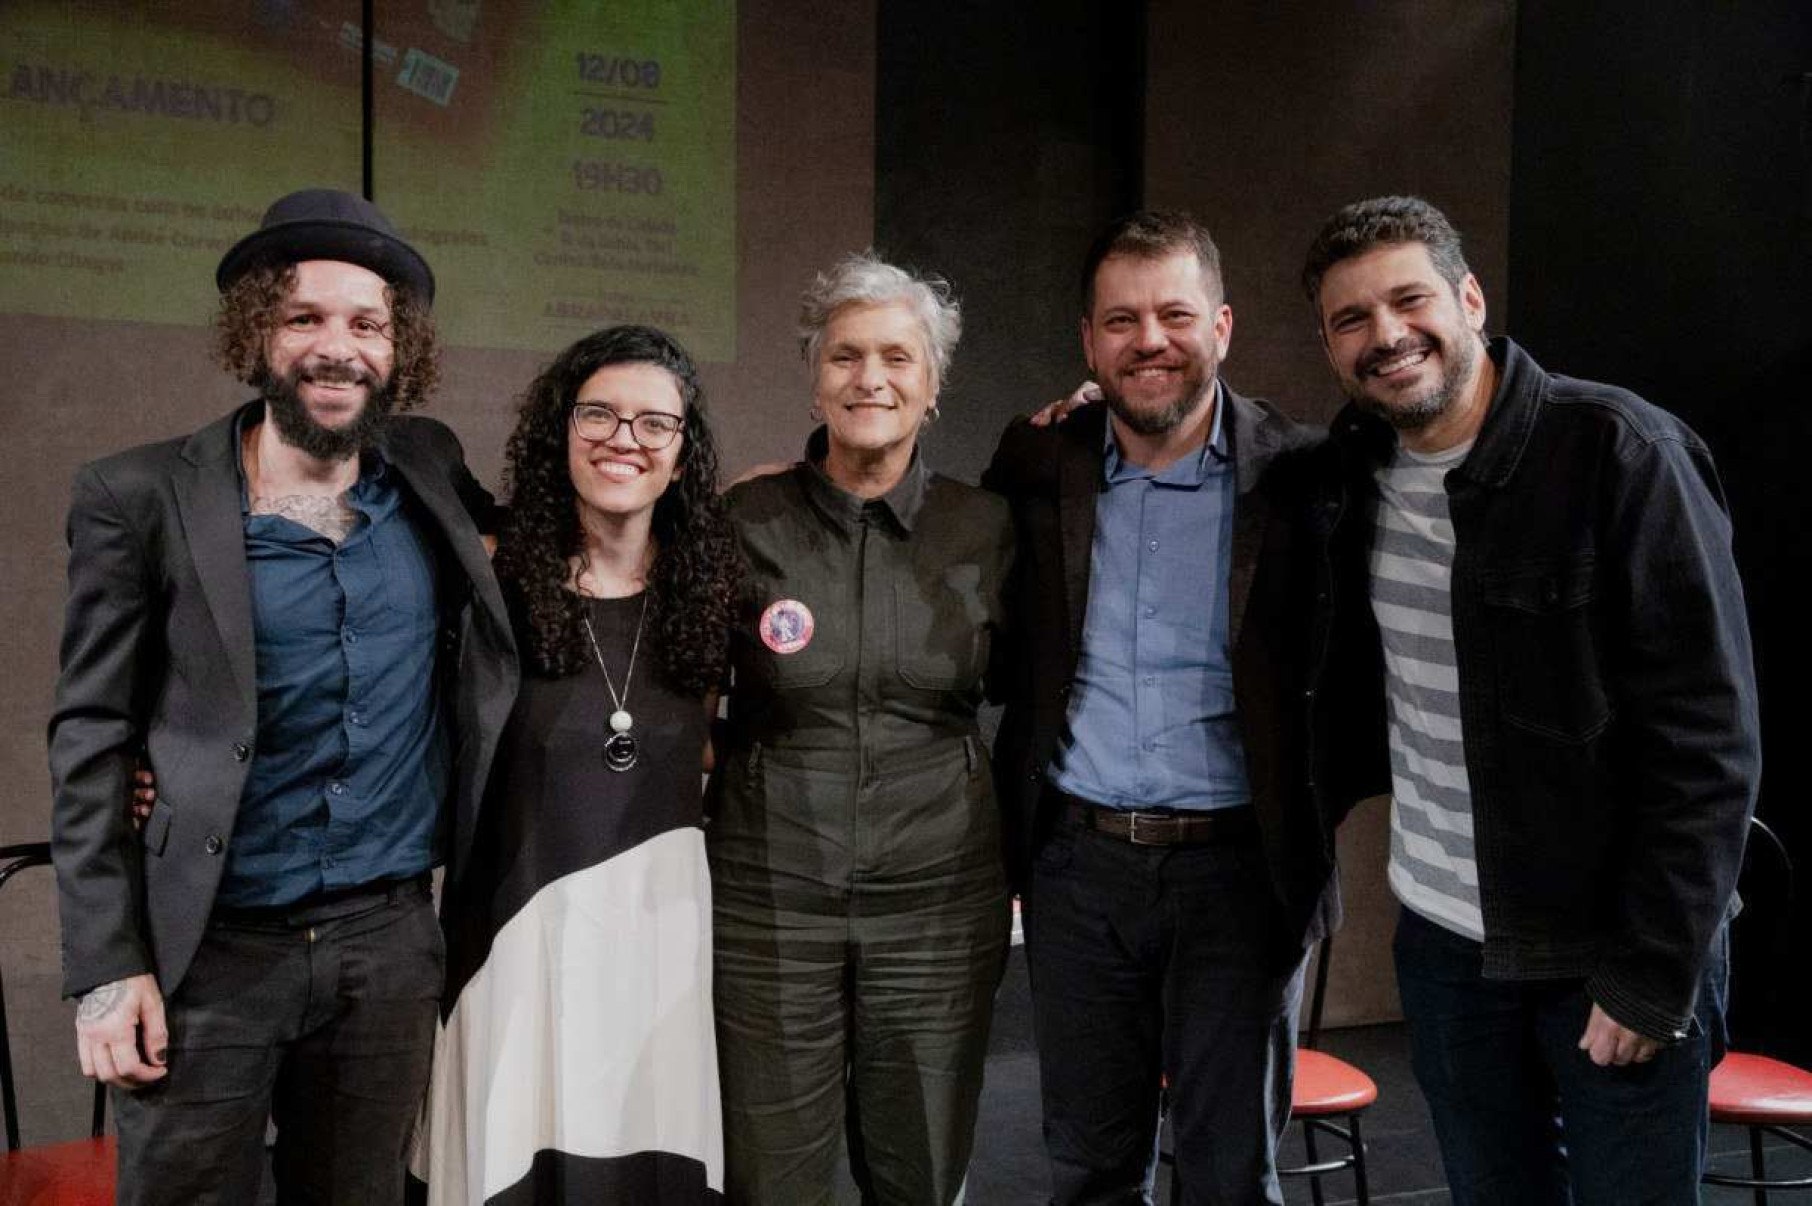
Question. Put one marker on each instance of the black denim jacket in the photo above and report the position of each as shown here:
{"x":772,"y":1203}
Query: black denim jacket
{"x":1607,"y":691}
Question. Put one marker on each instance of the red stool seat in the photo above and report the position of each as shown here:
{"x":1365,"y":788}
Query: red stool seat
{"x":1327,"y":1085}
{"x":1754,"y":1090}
{"x":77,"y":1173}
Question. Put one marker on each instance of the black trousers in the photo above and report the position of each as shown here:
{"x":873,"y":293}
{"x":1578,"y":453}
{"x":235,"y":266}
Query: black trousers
{"x":323,"y":1020}
{"x":1150,"y":961}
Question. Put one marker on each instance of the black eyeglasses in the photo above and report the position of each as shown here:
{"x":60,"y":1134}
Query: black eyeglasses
{"x":652,"y":429}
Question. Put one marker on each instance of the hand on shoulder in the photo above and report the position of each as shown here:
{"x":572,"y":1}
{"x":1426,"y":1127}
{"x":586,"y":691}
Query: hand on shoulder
{"x":1056,"y":412}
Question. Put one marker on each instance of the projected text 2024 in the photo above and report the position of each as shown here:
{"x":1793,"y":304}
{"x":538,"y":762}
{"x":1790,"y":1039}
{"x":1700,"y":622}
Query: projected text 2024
{"x":611,"y":123}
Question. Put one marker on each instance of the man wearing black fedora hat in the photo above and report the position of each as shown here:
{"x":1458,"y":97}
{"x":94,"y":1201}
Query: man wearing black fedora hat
{"x":290,"y":616}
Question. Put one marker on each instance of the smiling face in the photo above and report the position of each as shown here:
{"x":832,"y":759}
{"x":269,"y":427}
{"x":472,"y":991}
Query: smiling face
{"x":329,"y":360}
{"x":1405,"y":344}
{"x":617,"y":477}
{"x":1155,"y":339}
{"x":874,"y":380}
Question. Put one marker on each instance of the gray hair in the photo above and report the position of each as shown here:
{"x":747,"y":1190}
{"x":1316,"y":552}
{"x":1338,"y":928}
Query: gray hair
{"x":865,"y":279}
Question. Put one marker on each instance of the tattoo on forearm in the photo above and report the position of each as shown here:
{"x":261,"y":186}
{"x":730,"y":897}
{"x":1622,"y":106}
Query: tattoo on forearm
{"x":332,"y":517}
{"x":97,"y":1003}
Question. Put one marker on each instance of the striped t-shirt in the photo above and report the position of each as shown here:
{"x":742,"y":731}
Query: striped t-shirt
{"x":1433,"y":868}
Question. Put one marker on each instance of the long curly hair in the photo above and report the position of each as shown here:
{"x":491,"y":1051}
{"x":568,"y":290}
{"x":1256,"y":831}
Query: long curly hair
{"x":251,"y":307}
{"x":697,"y":574}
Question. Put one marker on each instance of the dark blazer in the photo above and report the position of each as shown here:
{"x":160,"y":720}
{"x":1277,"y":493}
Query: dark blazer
{"x":158,"y":656}
{"x":1052,"y":477}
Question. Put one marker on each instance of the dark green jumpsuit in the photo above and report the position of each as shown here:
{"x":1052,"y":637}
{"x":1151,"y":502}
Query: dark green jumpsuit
{"x":861,"y":906}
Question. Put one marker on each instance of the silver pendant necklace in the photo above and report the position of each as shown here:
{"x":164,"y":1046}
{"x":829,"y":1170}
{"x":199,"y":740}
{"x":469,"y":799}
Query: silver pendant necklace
{"x":619,"y":748}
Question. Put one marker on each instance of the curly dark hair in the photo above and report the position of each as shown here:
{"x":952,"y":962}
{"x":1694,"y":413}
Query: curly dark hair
{"x":250,"y":308}
{"x":697,"y":573}
{"x":1382,"y":221}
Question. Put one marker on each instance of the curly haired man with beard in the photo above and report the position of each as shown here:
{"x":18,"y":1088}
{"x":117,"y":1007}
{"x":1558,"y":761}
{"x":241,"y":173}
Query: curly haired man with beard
{"x":269,"y":612}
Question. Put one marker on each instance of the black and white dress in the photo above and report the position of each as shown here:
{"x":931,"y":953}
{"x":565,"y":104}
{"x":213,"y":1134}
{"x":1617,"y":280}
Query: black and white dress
{"x":576,"y":1060}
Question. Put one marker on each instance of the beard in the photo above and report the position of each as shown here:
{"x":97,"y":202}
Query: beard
{"x":1166,"y":418}
{"x":303,"y":432}
{"x":1458,"y":359}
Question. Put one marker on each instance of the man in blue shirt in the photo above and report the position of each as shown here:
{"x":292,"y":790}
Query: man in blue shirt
{"x":1170,"y":851}
{"x":270,"y":612}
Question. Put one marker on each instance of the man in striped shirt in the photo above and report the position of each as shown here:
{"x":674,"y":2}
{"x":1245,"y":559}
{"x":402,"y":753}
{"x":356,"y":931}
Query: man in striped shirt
{"x":1571,"y":724}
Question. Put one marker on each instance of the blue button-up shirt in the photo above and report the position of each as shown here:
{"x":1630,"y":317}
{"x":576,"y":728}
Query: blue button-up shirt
{"x":1151,"y":721}
{"x":350,"y":765}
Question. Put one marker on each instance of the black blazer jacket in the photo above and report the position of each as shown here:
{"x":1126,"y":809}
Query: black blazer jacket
{"x":157,"y":655}
{"x":1052,"y":477}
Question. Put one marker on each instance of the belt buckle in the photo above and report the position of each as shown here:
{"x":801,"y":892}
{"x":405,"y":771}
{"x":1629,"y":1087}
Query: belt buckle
{"x":1132,"y":832}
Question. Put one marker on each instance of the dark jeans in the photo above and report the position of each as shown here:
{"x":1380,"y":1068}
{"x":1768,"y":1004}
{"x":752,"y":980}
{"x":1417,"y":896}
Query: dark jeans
{"x":325,"y":1024}
{"x":1150,"y":961}
{"x":1523,"y":1116}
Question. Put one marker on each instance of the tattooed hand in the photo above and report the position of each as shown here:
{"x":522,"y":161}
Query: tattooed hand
{"x":100,"y":1001}
{"x":121,"y":1037}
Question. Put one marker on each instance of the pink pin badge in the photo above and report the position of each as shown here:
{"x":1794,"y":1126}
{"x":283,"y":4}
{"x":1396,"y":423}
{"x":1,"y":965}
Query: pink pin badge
{"x":786,"y":626}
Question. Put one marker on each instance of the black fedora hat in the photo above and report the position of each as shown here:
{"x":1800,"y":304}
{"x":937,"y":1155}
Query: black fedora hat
{"x":327,"y":224}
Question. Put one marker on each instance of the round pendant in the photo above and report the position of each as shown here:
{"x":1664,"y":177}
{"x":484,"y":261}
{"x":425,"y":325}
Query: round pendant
{"x":620,"y":721}
{"x":619,"y":751}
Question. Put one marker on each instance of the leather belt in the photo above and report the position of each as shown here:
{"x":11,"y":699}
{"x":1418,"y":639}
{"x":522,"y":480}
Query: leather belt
{"x":1168,"y":828}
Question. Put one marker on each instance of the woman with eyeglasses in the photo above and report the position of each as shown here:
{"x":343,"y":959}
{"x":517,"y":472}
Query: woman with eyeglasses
{"x":576,"y":1062}
{"x":862,"y":910}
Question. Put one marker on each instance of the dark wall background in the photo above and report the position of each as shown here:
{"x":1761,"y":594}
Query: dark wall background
{"x":1661,"y":238}
{"x":1262,"y":119}
{"x":1006,"y":135}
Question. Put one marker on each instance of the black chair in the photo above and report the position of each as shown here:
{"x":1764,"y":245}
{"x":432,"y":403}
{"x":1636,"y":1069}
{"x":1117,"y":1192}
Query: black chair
{"x":79,"y":1172}
{"x":1765,"y":1095}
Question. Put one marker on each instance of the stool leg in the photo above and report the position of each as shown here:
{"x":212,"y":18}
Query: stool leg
{"x":1757,"y":1164}
{"x":1362,"y":1193}
{"x":1308,"y":1147}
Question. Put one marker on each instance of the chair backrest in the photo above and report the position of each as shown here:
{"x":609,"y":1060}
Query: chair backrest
{"x":14,"y":859}
{"x":1767,"y":867}
{"x":1766,"y":1003}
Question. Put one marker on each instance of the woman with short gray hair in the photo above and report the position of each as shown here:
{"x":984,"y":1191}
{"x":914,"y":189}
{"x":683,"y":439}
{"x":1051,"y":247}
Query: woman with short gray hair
{"x":864,"y":279}
{"x":860,"y":900}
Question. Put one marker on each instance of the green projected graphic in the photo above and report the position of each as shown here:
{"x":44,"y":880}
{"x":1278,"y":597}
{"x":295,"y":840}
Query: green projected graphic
{"x":563,"y":165}
{"x":135,"y":148}
{"x":587,"y":177}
